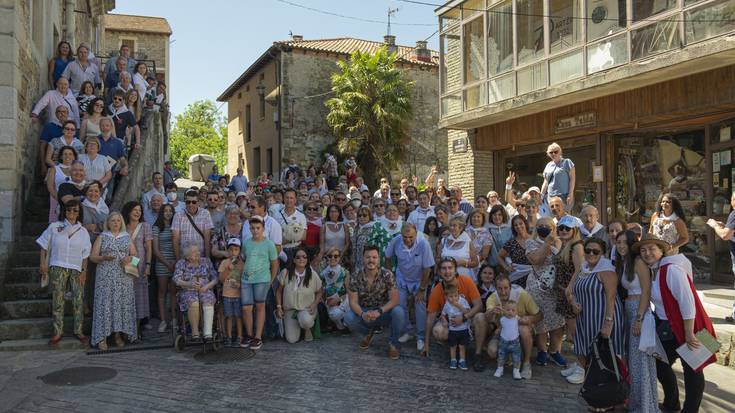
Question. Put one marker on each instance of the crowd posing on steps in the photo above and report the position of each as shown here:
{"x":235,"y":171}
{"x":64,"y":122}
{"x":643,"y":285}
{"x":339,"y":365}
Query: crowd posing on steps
{"x":505,"y":278}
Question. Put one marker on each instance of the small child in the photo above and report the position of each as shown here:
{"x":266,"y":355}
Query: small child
{"x":509,"y":340}
{"x":335,"y":288}
{"x":459,"y":334}
{"x":230,"y":271}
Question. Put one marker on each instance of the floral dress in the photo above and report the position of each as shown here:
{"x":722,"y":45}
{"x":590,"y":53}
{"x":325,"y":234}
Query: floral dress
{"x":359,"y":241}
{"x":540,"y":285}
{"x":564,"y":272}
{"x":481,"y":238}
{"x":114,"y":299}
{"x":517,"y":254}
{"x":186,"y":272}
{"x":220,"y":238}
{"x":380,"y":237}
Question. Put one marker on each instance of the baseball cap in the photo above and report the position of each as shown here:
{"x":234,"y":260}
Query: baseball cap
{"x":534,"y":188}
{"x":239,"y":194}
{"x":256,"y":218}
{"x":568,"y":221}
{"x":233,"y":241}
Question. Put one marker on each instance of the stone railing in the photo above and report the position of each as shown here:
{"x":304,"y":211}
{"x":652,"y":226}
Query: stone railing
{"x":142,"y":163}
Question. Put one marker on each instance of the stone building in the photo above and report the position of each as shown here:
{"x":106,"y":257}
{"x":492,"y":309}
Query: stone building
{"x":30,"y":32}
{"x":639,"y":94}
{"x":147,"y":37}
{"x":276,"y":108}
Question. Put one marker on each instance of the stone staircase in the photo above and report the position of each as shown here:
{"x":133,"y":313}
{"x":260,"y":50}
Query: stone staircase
{"x":717,"y":301}
{"x":25,"y":307}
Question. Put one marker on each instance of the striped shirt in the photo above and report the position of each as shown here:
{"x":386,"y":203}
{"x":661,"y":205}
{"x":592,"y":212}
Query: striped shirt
{"x":188,"y":234}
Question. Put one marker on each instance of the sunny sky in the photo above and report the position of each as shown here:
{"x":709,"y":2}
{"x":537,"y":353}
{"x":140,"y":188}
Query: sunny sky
{"x":211,"y":46}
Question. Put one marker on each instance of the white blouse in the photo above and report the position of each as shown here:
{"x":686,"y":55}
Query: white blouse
{"x":677,"y":280}
{"x":70,"y":244}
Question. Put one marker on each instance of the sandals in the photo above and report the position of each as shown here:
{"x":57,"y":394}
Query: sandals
{"x":102,"y":346}
{"x":84,"y":340}
{"x":119,"y":341}
{"x":54,"y":342}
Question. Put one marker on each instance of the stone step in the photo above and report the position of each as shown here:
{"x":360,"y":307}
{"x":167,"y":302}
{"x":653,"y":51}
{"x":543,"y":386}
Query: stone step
{"x":30,"y":274}
{"x":26,"y":257}
{"x":34,"y":228}
{"x":25,"y":291}
{"x":40,"y":344}
{"x":720,"y":293}
{"x":37,"y":308}
{"x":36,"y":328}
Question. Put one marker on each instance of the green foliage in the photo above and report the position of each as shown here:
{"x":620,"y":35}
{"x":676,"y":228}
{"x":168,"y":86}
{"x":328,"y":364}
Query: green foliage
{"x":200,"y":129}
{"x":371,"y":112}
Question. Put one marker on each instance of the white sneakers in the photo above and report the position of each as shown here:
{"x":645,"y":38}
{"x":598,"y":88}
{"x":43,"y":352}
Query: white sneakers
{"x":162,"y":326}
{"x":405,"y":338}
{"x":526,"y":371}
{"x":499,"y":372}
{"x":419,"y":345}
{"x":516,"y":373}
{"x":574,"y":374}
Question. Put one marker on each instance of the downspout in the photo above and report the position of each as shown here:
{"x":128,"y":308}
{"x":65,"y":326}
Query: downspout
{"x":279,"y":82}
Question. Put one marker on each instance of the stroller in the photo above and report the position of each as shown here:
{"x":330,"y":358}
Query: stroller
{"x":182,"y":335}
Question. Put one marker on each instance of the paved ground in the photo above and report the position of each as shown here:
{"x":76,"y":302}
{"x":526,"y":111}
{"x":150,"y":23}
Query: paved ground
{"x":330,"y":374}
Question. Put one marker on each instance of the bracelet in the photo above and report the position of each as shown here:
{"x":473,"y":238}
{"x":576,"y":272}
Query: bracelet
{"x":278,"y":306}
{"x":508,"y":186}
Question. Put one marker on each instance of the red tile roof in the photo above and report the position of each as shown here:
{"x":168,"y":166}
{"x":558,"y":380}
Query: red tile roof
{"x":348,"y":45}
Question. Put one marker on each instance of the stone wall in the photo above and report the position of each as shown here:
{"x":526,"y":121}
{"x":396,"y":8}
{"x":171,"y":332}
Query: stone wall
{"x":148,"y":46}
{"x":471,"y":170}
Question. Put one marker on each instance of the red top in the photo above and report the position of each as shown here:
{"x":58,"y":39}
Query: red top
{"x":313,"y":232}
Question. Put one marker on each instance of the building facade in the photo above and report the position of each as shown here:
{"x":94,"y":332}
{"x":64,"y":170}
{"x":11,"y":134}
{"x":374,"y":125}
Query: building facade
{"x":639,"y":94}
{"x":31,"y":31}
{"x":148,"y":39}
{"x":277,"y":115}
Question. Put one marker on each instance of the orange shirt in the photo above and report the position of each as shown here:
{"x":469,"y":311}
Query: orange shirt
{"x":466,"y":287}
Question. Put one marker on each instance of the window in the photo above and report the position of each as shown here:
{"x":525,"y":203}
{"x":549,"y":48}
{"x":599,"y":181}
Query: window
{"x":256,"y":162}
{"x":449,"y":18}
{"x":474,"y":51}
{"x":452,"y":49}
{"x":130,"y":43}
{"x":565,"y":25}
{"x":645,"y":9}
{"x":472,"y":8}
{"x":269,"y":160}
{"x":605,"y":17}
{"x":607,"y":53}
{"x":566,"y":67}
{"x":532,"y":78}
{"x":709,"y":20}
{"x":530,"y":30}
{"x":248,"y":124}
{"x":240,"y":122}
{"x":502,"y":88}
{"x":500,"y":39}
{"x":475,"y":96}
{"x":261,"y":106}
{"x":655,"y":38}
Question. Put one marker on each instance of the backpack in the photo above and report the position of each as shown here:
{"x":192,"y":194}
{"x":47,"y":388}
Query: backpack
{"x":606,"y":381}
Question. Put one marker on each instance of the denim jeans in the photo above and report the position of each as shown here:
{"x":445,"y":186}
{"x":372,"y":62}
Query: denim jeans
{"x":512,"y":348}
{"x":396,"y":318}
{"x":419,"y":308}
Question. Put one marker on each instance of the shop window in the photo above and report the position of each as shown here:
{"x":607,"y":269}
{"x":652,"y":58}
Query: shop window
{"x":502,"y":88}
{"x":475,"y":96}
{"x":645,"y":9}
{"x":709,"y":20}
{"x":565,"y":30}
{"x":451,"y":70}
{"x":451,"y":104}
{"x":605,"y":17}
{"x":607,"y":53}
{"x":449,"y":18}
{"x":530,"y":30}
{"x":474,"y":51}
{"x":723,"y":172}
{"x":648,"y":165}
{"x":566,"y":67}
{"x":655,"y":38}
{"x":500,"y":39}
{"x":532,"y":78}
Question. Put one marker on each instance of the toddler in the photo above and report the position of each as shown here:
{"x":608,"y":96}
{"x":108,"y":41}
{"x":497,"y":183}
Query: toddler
{"x":230,"y":271}
{"x":509,"y":340}
{"x":459,"y":334}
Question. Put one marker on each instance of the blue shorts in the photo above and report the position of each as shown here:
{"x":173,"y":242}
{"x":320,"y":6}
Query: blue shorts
{"x":458,"y":337}
{"x":232,"y":306}
{"x":253,"y":293}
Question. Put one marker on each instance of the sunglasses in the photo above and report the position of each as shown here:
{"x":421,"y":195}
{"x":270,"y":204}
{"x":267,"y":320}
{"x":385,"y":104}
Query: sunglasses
{"x":333,"y":256}
{"x":312,"y":209}
{"x":563,"y":228}
{"x":379,"y":206}
{"x":592,"y":251}
{"x":395,"y":194}
{"x":190,"y":202}
{"x":300,"y":257}
{"x":553,"y":152}
{"x":521,"y":205}
{"x":117,"y":99}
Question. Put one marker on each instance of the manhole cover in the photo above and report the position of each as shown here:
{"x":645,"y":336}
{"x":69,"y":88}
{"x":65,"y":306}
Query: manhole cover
{"x":79,"y":376}
{"x":224,"y":356}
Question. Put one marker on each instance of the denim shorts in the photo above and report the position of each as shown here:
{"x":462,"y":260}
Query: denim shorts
{"x":458,"y":338}
{"x":232,"y":306}
{"x":253,"y":293}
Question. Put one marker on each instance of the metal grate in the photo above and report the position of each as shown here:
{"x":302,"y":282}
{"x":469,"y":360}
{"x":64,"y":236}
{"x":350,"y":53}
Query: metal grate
{"x":79,"y":376}
{"x":224,"y":356}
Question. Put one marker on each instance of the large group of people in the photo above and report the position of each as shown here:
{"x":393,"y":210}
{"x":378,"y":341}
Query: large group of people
{"x":316,"y":250}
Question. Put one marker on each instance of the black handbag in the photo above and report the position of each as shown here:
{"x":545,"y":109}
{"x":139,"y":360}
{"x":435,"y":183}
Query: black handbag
{"x":606,"y":381}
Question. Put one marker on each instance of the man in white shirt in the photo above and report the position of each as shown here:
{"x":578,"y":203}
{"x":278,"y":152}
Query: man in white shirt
{"x":273,"y":232}
{"x":289,"y":215}
{"x":419,"y":215}
{"x":239,"y":181}
{"x":158,"y":188}
{"x":381,"y":189}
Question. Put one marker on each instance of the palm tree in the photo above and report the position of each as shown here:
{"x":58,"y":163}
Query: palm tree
{"x":371,"y":112}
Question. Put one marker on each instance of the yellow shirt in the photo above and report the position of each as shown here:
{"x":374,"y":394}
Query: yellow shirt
{"x":524,"y":302}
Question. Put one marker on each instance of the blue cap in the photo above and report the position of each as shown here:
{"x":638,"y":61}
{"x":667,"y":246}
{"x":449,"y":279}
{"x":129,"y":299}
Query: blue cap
{"x":568,"y":221}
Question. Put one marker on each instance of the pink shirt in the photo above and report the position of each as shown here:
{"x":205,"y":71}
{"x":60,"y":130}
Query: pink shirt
{"x":53,"y":99}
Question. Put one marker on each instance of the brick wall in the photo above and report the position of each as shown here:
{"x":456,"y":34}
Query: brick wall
{"x":471,"y":170}
{"x":148,"y":46}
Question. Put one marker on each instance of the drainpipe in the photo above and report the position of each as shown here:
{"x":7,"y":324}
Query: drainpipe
{"x":70,"y":21}
{"x":279,"y":83}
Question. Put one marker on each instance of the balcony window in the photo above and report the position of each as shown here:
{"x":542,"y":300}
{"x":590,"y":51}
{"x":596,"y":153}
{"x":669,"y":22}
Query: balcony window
{"x":530,"y":30}
{"x":655,"y":38}
{"x":475,"y":96}
{"x":605,"y":17}
{"x":502,"y":88}
{"x":450,"y":18}
{"x":472,"y":8}
{"x":451,"y":104}
{"x":532,"y":78}
{"x":451,"y":66}
{"x":566,"y":67}
{"x":647,"y":8}
{"x":500,"y":38}
{"x":607,"y":53}
{"x":709,"y":20}
{"x":565,"y":30}
{"x":474,"y":51}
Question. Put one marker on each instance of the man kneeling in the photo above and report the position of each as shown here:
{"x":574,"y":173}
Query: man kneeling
{"x":374,"y":301}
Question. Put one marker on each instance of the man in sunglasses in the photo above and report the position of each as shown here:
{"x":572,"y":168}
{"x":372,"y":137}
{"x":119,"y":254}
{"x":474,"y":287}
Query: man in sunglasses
{"x":395,"y":196}
{"x":123,"y":119}
{"x":456,"y":193}
{"x":193,"y":225}
{"x":413,"y":262}
{"x":591,"y":227}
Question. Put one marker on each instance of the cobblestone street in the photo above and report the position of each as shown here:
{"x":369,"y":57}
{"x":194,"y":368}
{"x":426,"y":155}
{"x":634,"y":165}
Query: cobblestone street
{"x":330,"y":374}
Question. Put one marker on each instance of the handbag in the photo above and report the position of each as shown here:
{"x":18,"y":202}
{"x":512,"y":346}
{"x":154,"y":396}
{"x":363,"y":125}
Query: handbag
{"x":131,"y":268}
{"x":606,"y":381}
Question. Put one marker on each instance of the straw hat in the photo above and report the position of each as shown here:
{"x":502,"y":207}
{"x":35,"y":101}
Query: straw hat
{"x":651,"y":239}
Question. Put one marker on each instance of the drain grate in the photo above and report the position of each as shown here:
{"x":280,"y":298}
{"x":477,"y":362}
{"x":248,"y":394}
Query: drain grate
{"x":224,"y":356}
{"x":79,"y":376}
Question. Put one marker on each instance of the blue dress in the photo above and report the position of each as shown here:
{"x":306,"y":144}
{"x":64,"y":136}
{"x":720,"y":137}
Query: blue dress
{"x":590,"y":294}
{"x":59,"y":66}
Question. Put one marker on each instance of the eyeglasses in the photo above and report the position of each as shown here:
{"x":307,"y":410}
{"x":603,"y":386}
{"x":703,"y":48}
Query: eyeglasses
{"x":592,"y":251}
{"x":333,"y":256}
{"x":521,"y":205}
{"x":70,"y":129}
{"x":380,"y":206}
{"x":191,"y":202}
{"x":312,"y":209}
{"x":395,"y":194}
{"x":364,"y":215}
{"x":300,"y":257}
{"x":563,"y":228}
{"x":453,"y":203}
{"x":117,"y":99}
{"x":553,"y":152}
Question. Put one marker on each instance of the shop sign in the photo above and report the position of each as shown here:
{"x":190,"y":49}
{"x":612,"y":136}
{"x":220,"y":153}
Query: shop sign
{"x":580,"y":120}
{"x":459,"y":145}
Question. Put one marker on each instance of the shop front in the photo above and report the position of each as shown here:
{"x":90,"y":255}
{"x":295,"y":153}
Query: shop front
{"x":628,"y":153}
